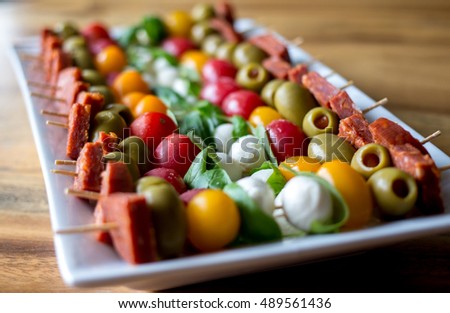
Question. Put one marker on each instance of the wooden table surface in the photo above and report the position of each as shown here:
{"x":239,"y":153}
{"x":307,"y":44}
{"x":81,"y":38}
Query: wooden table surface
{"x":390,"y":48}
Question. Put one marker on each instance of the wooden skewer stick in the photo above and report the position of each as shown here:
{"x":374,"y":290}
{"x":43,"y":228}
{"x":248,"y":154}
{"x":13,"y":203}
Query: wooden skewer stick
{"x":431,"y":137}
{"x":375,"y":105}
{"x":87,"y":228}
{"x":329,"y":74}
{"x":347,"y":84}
{"x":58,"y":124}
{"x":39,"y":95}
{"x":63,"y":172}
{"x":444,"y":168}
{"x":90,"y":195}
{"x":46,"y":112}
{"x":42,"y":85}
{"x":29,"y":56}
{"x":65,"y":162}
{"x":297,"y":41}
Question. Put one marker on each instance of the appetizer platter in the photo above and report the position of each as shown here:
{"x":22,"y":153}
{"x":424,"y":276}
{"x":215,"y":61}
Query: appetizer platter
{"x":194,"y":146}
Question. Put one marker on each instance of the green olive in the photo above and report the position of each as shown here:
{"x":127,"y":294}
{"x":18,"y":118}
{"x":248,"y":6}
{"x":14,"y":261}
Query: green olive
{"x":370,"y":158}
{"x":246,"y":53}
{"x":268,"y":91}
{"x":394,"y":190}
{"x":82,"y":58}
{"x":320,"y":120}
{"x":105,"y":91}
{"x":92,"y":77}
{"x":211,"y":43}
{"x":252,"y":76}
{"x":293,"y":102}
{"x":136,"y":148}
{"x":107,"y":121}
{"x":327,"y":147}
{"x":225,"y":51}
{"x":118,"y":156}
{"x":65,"y":30}
{"x":200,"y":30}
{"x":73,"y":43}
{"x":202,"y":11}
{"x":122,"y":110}
{"x":168,"y":215}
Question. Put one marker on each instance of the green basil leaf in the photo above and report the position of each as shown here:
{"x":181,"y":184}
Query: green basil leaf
{"x":256,"y":226}
{"x":190,"y":74}
{"x":276,"y":181}
{"x":196,"y":123}
{"x":260,"y":132}
{"x":174,"y":102}
{"x":240,"y":127}
{"x":128,"y":37}
{"x":155,"y":30}
{"x":340,"y":207}
{"x":197,"y":168}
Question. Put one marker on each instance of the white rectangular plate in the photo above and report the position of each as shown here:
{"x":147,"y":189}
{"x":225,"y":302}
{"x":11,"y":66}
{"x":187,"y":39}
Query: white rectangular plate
{"x":85,"y":262}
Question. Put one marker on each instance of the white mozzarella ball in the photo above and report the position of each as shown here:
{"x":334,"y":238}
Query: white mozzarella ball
{"x":232,"y":168}
{"x":160,"y":64}
{"x":287,"y":229}
{"x":263,"y":175}
{"x":167,"y":76}
{"x":249,"y":152}
{"x":260,"y":192}
{"x":304,"y":201}
{"x":223,"y":137}
{"x":181,"y":86}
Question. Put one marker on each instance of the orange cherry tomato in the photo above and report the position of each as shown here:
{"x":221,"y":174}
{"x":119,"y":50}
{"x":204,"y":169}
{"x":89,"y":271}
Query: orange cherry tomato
{"x":131,"y":99}
{"x":354,"y":190}
{"x":194,"y":59}
{"x":300,"y":164}
{"x":263,"y":115}
{"x":179,"y":24}
{"x":213,"y":220}
{"x":149,"y":103}
{"x":129,"y":81}
{"x":111,"y":59}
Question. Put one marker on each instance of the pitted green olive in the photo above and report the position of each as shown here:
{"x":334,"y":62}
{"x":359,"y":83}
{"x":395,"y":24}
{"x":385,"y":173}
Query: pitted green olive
{"x":122,"y":110}
{"x":293,"y":102}
{"x":370,"y":158}
{"x":327,"y":147}
{"x":202,"y":11}
{"x":92,"y":77}
{"x":73,"y":43}
{"x":394,"y":190}
{"x":211,"y":43}
{"x":252,"y":76}
{"x":200,"y":30}
{"x":83,"y":58}
{"x":168,"y":215}
{"x":105,"y":91}
{"x":246,"y":53}
{"x":118,"y":156}
{"x":136,"y":148}
{"x":225,"y":51}
{"x":320,"y":120}
{"x":107,"y":121}
{"x":65,"y":30}
{"x":268,"y":91}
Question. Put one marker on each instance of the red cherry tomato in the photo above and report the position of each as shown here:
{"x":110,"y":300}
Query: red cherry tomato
{"x":187,"y":196}
{"x":242,"y":103}
{"x":178,"y":45}
{"x":215,"y":92}
{"x":176,"y":152}
{"x":286,"y":139}
{"x":97,"y":45}
{"x":171,"y":176}
{"x":95,"y":31}
{"x":215,"y":69}
{"x":152,"y":127}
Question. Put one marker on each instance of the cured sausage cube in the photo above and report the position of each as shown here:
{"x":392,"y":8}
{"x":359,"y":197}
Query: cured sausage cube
{"x":78,"y":129}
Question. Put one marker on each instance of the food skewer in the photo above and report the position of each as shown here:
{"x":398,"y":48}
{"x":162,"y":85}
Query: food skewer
{"x":42,"y":85}
{"x":43,"y":96}
{"x":65,"y":162}
{"x":46,"y":112}
{"x":64,"y":172}
{"x":58,"y":124}
{"x":87,"y":228}
{"x":382,"y":102}
{"x":431,"y":137}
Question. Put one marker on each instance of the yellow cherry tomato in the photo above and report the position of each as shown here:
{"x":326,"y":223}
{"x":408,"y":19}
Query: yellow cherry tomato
{"x":353,"y":189}
{"x":111,"y":59}
{"x":263,"y":115}
{"x":300,"y":164}
{"x":213,"y":220}
{"x":129,"y":81}
{"x":194,"y":59}
{"x":149,"y":103}
{"x":131,"y":99}
{"x":179,"y":23}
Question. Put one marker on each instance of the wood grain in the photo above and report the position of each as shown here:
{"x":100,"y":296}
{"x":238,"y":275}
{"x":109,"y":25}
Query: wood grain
{"x":390,"y":48}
